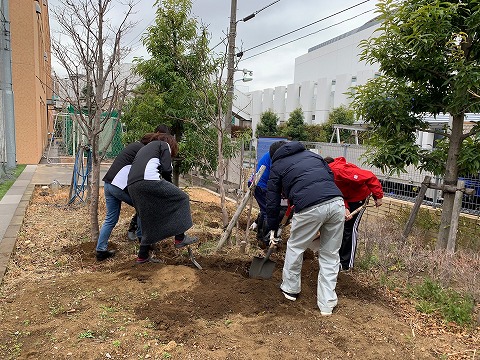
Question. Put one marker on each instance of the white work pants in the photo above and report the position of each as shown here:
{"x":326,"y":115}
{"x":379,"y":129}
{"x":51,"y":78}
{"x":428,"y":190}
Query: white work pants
{"x":328,"y":218}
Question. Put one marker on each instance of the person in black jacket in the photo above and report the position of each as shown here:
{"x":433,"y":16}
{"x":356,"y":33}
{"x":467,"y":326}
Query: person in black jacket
{"x":132,"y":232}
{"x":115,"y":189}
{"x":163,"y":209}
{"x":307,"y":181}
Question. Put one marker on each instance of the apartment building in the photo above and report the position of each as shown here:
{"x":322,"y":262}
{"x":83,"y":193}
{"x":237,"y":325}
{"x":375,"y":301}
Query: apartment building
{"x":31,"y":77}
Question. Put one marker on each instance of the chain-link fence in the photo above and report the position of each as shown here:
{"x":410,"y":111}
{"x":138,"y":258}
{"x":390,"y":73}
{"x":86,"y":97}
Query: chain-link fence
{"x":67,"y":137}
{"x":403,"y":186}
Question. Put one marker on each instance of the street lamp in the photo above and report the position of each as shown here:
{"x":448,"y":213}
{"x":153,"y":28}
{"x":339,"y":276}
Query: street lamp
{"x":246,"y":79}
{"x":247,"y":75}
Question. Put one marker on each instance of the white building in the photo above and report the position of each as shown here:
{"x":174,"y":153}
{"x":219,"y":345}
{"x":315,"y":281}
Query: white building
{"x":322,"y":79}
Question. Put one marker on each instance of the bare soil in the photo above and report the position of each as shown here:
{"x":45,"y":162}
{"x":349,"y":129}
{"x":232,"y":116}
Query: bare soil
{"x":58,"y":302}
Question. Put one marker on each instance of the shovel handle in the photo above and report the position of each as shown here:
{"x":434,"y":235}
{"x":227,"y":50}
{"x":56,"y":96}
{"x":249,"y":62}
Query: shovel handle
{"x":284,"y":220}
{"x":272,"y":247}
{"x":357,"y":210}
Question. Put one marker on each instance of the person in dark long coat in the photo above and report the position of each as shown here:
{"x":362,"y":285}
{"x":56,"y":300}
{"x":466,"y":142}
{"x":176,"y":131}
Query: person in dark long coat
{"x":115,"y":188}
{"x":132,"y":233}
{"x":163,"y":209}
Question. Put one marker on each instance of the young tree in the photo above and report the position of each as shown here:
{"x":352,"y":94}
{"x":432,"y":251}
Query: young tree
{"x":184,"y":87}
{"x":177,"y":49}
{"x":89,"y":49}
{"x":268,"y":124}
{"x":429,"y":56}
{"x":295,"y":128}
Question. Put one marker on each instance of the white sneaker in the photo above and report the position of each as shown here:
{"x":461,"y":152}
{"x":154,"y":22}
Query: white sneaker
{"x":290,"y":296}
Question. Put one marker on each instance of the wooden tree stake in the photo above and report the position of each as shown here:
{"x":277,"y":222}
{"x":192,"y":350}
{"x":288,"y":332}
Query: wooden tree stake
{"x":416,"y":206}
{"x":457,"y":207}
{"x":228,"y":230}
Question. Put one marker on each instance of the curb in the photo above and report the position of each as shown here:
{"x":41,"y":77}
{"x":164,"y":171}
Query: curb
{"x":9,"y":238}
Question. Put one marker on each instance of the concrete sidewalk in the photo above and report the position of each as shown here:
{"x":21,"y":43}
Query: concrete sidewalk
{"x":17,"y":198}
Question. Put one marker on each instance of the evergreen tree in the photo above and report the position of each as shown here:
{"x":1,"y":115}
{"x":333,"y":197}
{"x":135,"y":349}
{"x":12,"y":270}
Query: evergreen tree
{"x":296,"y":129}
{"x":342,"y":116}
{"x":268,"y":124}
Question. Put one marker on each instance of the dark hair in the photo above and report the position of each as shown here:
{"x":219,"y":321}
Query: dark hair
{"x":169,"y":139}
{"x":149,"y":137}
{"x":162,"y":128}
{"x":275,"y":146}
{"x":328,"y":159}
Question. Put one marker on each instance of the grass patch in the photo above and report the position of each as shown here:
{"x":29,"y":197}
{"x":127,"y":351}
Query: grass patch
{"x":442,"y":284}
{"x":451,"y":305}
{"x":7,"y":181}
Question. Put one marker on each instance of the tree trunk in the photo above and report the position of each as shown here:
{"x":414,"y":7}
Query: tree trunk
{"x":221,"y":172}
{"x":450,"y":178}
{"x":95,"y":188}
{"x":95,"y":185}
{"x":176,"y":162}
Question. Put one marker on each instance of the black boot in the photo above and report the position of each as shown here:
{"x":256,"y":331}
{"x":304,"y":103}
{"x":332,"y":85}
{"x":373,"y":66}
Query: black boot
{"x":103,"y":255}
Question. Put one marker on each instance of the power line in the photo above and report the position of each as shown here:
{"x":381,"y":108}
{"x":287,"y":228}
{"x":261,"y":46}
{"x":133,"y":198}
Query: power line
{"x":256,"y":12}
{"x":303,"y":27}
{"x":246,"y":18}
{"x":302,"y":37}
{"x":141,"y":33}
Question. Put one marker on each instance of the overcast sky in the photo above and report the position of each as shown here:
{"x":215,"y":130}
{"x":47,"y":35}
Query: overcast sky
{"x":274,"y":67}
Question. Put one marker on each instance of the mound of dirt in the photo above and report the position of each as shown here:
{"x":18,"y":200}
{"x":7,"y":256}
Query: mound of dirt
{"x":58,"y":302}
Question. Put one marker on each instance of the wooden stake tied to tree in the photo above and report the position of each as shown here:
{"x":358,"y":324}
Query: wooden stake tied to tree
{"x":248,"y":194}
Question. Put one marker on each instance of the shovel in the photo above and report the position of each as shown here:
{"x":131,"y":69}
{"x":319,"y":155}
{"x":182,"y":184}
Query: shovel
{"x":262,"y":267}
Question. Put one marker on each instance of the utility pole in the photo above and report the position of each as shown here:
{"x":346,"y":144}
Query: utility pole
{"x":231,"y":65}
{"x":6,"y":85}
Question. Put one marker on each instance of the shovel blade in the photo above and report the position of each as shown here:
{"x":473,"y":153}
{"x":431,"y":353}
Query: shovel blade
{"x":261,"y":268}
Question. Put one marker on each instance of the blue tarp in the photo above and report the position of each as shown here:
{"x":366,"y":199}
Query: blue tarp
{"x":263,"y":145}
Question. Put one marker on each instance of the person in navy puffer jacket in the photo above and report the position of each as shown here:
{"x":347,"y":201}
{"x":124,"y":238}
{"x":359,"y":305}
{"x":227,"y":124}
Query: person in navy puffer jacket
{"x":308,"y":183}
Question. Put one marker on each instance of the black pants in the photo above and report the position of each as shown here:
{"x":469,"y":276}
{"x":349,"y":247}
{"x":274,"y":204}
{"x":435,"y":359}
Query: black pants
{"x":262,"y":231}
{"x":350,"y":233}
{"x":133,"y":223}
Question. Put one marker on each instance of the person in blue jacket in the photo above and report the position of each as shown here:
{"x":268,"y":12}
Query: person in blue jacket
{"x":260,"y":194}
{"x":307,"y":181}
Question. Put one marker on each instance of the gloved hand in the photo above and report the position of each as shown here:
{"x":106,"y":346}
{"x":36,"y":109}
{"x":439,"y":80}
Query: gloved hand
{"x":274,"y":239}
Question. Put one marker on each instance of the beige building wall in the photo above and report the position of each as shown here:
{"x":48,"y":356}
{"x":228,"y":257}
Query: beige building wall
{"x":31,"y":77}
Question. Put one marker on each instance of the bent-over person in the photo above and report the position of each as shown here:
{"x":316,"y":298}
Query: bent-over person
{"x":163,"y":209}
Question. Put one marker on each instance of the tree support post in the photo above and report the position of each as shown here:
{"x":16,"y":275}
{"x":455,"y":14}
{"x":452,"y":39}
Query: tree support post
{"x":228,"y":230}
{"x":416,"y":207}
{"x":457,"y":206}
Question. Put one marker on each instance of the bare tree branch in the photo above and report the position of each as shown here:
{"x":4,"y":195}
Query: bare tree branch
{"x":89,"y":48}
